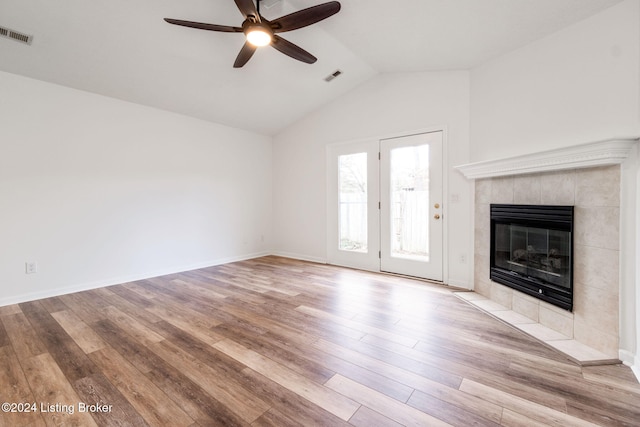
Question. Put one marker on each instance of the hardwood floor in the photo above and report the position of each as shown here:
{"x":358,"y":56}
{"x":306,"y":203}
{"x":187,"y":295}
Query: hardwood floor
{"x":279,"y":342}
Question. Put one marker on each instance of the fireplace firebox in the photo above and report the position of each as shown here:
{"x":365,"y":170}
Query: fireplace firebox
{"x":532,"y":251}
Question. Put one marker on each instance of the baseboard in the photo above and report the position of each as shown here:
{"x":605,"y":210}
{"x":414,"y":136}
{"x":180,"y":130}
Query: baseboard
{"x":632,"y":361}
{"x":626,"y":357}
{"x":636,"y":370}
{"x":300,"y":257}
{"x":32,"y":296}
{"x":462,"y":284}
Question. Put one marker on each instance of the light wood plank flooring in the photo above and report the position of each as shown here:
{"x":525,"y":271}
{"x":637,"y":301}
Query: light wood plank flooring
{"x":279,"y":342}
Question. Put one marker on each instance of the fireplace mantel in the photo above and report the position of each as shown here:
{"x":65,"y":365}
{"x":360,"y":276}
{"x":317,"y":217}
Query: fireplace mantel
{"x":602,"y":153}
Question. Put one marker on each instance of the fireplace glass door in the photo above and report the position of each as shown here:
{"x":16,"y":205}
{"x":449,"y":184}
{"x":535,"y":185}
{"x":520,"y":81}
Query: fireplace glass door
{"x":537,"y":253}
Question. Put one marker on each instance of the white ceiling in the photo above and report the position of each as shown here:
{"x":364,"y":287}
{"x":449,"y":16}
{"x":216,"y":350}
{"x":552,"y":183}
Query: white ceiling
{"x":124,"y":49}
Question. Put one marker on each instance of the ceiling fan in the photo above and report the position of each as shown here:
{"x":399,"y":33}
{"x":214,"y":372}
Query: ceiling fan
{"x":262,"y":32}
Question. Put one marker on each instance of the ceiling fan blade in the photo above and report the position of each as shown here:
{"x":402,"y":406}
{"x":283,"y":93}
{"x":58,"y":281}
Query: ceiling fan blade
{"x":245,"y":55}
{"x":305,"y":17}
{"x":203,"y":26}
{"x":248,"y":8}
{"x":292,"y":50}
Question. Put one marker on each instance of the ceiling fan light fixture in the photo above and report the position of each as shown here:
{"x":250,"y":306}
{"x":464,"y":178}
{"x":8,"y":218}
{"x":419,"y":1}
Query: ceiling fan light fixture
{"x":258,"y":35}
{"x":262,"y":32}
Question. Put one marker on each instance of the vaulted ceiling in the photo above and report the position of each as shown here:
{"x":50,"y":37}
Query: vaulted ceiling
{"x":124,"y":49}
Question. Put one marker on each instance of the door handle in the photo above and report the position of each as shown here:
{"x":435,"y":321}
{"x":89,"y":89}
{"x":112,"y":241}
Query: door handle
{"x":437,"y":216}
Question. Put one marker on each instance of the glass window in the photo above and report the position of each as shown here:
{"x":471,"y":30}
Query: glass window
{"x":352,"y":202}
{"x":410,"y":202}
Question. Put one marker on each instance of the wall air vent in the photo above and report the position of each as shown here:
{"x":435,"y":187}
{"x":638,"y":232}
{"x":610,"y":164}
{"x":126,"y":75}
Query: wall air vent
{"x":15,"y":35}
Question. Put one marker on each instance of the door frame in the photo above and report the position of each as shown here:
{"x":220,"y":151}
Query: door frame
{"x":331,"y":182}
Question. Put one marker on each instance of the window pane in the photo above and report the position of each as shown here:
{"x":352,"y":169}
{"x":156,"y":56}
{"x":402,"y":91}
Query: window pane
{"x":410,"y":202}
{"x":352,"y":202}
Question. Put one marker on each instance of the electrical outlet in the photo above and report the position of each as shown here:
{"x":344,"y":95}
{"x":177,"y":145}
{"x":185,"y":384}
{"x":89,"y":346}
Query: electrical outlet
{"x":463,"y":258}
{"x":30,"y":267}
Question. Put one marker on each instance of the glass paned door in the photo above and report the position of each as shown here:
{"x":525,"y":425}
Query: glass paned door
{"x":352,"y":205}
{"x":411,"y":205}
{"x":384,"y":205}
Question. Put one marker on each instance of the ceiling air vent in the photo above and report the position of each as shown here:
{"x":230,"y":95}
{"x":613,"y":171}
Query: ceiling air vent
{"x":15,"y":35}
{"x":269,"y":3}
{"x":332,"y":76}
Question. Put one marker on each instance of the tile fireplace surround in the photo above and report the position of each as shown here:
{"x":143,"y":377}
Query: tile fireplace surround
{"x":587,"y":177}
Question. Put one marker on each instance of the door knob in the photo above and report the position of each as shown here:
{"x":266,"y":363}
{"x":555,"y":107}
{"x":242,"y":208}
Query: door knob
{"x":437,"y":205}
{"x":437,"y":216}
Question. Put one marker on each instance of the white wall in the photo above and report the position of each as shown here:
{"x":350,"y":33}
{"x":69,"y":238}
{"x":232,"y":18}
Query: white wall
{"x":383,"y":106}
{"x":579,"y":85}
{"x":636,"y":263}
{"x":100,"y":191}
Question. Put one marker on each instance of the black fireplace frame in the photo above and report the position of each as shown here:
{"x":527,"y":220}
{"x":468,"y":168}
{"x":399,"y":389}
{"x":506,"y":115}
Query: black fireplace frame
{"x":541,"y":216}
